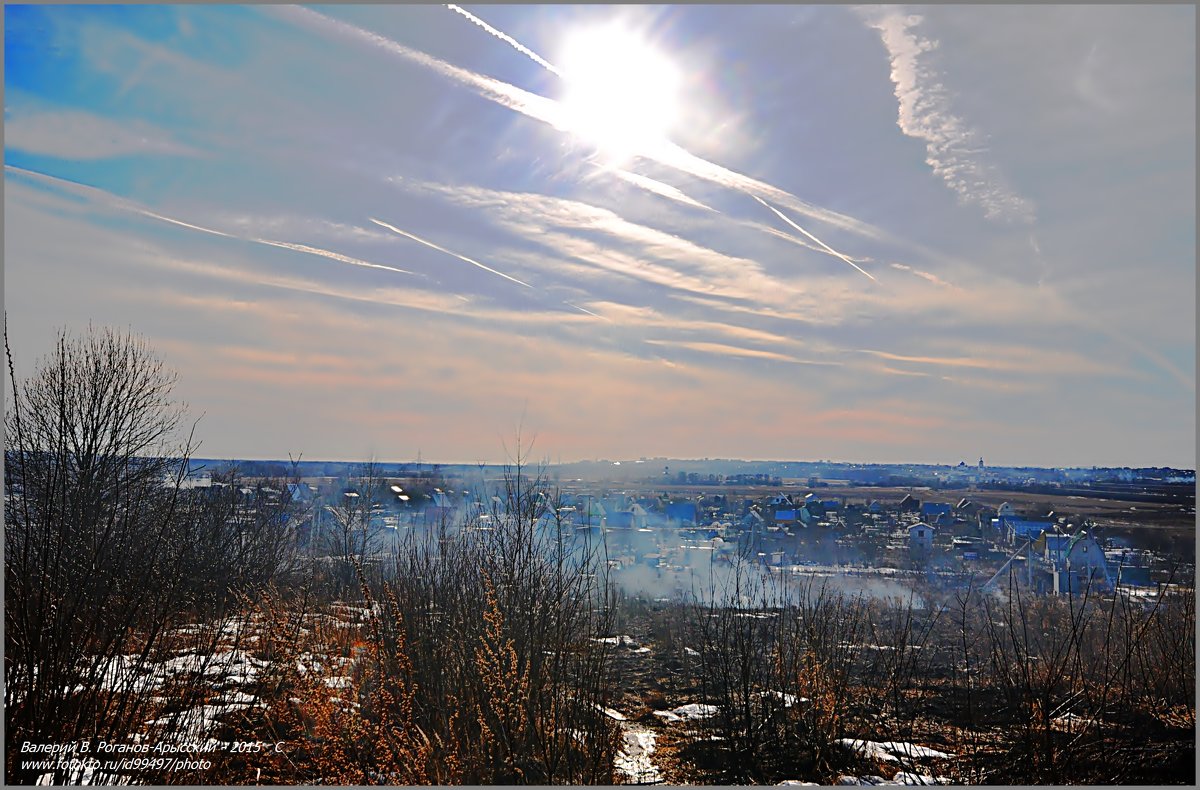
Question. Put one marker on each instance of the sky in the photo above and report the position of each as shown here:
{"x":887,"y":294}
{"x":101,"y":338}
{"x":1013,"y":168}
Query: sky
{"x":850,"y":233}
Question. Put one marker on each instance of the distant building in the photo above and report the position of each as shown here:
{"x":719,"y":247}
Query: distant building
{"x":785,"y":518}
{"x":1054,"y":546}
{"x":1072,"y":564}
{"x":300,"y":492}
{"x":1019,"y":530}
{"x":920,"y":538}
{"x":683,"y":513}
{"x":1083,"y":564}
{"x":594,"y":514}
{"x":932,"y":510}
{"x":620,"y":519}
{"x":966,"y":507}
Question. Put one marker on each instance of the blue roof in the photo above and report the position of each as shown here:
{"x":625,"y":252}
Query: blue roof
{"x":681,"y":510}
{"x":1025,"y":527}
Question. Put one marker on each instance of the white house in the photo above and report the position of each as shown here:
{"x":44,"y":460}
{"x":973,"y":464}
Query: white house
{"x":920,"y":538}
{"x":1082,"y":566}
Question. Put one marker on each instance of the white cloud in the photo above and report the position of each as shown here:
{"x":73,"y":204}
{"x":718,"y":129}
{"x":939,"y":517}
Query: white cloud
{"x":74,"y":134}
{"x":953,"y":147}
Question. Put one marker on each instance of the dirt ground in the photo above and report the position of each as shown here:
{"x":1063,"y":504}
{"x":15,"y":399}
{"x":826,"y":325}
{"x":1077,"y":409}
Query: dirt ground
{"x":1106,"y":512}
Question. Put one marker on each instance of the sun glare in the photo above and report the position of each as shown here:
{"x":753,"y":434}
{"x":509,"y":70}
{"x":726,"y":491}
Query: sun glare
{"x":621,"y":94}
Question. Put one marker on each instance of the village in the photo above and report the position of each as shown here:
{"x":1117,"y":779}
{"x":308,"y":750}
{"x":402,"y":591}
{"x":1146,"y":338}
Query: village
{"x":666,"y":539}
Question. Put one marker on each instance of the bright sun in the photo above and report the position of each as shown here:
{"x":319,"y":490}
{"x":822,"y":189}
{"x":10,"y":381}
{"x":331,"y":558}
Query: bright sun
{"x":621,"y":94}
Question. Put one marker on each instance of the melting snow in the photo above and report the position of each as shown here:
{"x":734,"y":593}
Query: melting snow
{"x":621,"y":639}
{"x":893,"y":751}
{"x":695,"y":710}
{"x":633,"y":759}
{"x":788,"y":700}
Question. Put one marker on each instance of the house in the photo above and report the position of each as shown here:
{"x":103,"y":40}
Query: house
{"x":1006,"y":510}
{"x":300,"y":492}
{"x":1053,"y":546}
{"x":920,"y":538}
{"x":593,"y":513}
{"x":683,"y":513}
{"x":620,"y":519}
{"x":966,"y":507}
{"x":752,"y":529}
{"x":1083,"y":565}
{"x":931,"y":510}
{"x":441,"y":509}
{"x":1018,"y":530}
{"x":785,"y":518}
{"x":752,"y":521}
{"x":909,"y":504}
{"x":1072,"y":564}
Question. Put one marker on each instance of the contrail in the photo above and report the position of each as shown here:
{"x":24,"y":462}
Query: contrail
{"x":589,"y":312}
{"x":337,"y":256}
{"x":125,"y":204}
{"x":825,"y":246}
{"x":181,"y":223}
{"x":430,"y":244}
{"x":549,"y":111}
{"x":656,"y":187}
{"x":507,"y":39}
{"x":681,"y":159}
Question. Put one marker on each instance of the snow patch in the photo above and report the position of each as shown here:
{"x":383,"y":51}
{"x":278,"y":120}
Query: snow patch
{"x":615,"y":715}
{"x":695,"y":710}
{"x":633,"y":758}
{"x":893,"y":751}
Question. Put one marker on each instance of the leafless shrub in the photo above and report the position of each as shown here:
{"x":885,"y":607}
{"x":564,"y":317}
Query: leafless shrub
{"x":105,"y":552}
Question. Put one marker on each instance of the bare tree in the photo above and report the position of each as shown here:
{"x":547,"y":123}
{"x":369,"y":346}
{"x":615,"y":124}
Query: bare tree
{"x":105,"y":549}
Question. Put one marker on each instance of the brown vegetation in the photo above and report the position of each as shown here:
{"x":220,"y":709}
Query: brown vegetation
{"x":139,"y":611}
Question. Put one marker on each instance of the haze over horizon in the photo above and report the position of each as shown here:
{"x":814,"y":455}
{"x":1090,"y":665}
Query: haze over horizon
{"x":877,"y":234}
